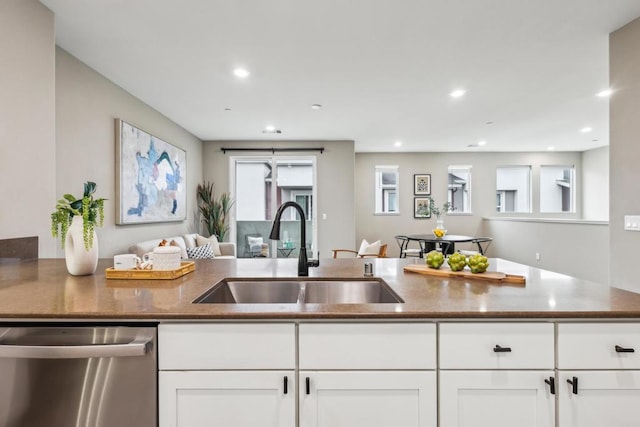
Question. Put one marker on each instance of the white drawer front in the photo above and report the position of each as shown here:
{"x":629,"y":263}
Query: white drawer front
{"x":593,"y":346}
{"x":367,"y":346}
{"x":226,"y":346}
{"x":485,"y":345}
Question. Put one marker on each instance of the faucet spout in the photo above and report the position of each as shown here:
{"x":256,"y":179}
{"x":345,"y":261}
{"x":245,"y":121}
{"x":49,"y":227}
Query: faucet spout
{"x":303,"y":265}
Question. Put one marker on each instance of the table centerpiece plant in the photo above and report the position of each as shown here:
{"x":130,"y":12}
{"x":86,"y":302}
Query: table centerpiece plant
{"x":440,"y":231}
{"x":74,"y":221}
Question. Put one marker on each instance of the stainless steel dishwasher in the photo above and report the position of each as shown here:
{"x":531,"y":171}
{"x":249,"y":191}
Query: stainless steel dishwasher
{"x":80,"y":376}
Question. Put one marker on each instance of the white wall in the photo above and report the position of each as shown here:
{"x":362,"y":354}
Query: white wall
{"x":595,"y":181}
{"x":624,"y":152}
{"x":27,"y":122}
{"x":335,"y":173}
{"x":87,"y":105}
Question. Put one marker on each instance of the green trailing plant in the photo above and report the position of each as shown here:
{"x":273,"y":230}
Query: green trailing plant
{"x":91,"y":210}
{"x":438,"y":211}
{"x":214,"y":211}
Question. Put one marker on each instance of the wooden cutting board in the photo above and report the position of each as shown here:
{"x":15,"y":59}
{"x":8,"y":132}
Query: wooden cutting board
{"x":495,"y":276}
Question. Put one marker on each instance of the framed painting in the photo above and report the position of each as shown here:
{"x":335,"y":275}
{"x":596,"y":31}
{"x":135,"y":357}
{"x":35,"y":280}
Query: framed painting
{"x":150,"y":177}
{"x":422,"y":184}
{"x":421,"y":207}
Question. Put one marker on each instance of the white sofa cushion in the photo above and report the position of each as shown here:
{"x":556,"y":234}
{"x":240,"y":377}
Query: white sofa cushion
{"x":212,"y":241}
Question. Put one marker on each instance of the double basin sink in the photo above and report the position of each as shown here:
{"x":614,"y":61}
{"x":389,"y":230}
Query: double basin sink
{"x":299,"y":291}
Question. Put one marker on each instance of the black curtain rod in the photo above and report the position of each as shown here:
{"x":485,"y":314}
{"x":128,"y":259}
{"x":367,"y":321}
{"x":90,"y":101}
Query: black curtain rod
{"x":273,"y":150}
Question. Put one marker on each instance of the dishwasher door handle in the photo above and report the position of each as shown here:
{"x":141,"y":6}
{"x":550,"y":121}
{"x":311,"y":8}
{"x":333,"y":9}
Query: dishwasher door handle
{"x":140,"y":346}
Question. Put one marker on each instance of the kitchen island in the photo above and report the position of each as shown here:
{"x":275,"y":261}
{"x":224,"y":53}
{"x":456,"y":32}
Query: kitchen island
{"x":555,"y":351}
{"x":42,"y":289}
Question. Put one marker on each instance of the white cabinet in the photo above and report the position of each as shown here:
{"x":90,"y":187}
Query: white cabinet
{"x":368,"y":398}
{"x":497,"y":374}
{"x":369,"y":389}
{"x":240,"y":375}
{"x":496,"y":399}
{"x":244,"y":374}
{"x":227,"y":398}
{"x":599,"y":376}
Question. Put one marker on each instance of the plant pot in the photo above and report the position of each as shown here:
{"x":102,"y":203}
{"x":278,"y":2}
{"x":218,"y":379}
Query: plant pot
{"x":439,"y":232}
{"x":80,"y":261}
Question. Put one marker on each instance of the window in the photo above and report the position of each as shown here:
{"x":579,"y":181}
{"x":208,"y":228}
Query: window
{"x":557,"y":189}
{"x":513,"y":189}
{"x":386,"y":189}
{"x":459,"y":191}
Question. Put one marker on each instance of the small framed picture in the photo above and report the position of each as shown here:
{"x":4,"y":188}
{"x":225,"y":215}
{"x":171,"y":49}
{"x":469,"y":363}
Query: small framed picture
{"x":422,"y":184}
{"x":421,"y":207}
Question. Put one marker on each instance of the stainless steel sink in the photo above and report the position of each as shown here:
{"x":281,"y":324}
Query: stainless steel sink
{"x":299,"y":291}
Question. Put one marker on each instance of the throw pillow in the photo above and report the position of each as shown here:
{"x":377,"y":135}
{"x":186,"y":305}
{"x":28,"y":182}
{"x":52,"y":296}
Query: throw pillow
{"x":367,"y":248}
{"x":255,"y":244}
{"x":212,"y":241}
{"x":200,"y":252}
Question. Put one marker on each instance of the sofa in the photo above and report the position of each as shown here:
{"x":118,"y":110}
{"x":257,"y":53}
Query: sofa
{"x":192,"y":246}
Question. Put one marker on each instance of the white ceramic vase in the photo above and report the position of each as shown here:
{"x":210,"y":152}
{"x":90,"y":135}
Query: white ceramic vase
{"x":80,"y":261}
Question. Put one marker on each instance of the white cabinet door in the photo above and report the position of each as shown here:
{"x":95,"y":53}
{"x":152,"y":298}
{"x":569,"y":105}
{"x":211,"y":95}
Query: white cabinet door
{"x":229,"y":398}
{"x":496,"y":399}
{"x":368,"y":399}
{"x":604,"y":398}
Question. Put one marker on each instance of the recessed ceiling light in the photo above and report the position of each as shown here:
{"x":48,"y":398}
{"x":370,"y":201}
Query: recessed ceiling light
{"x":271,"y":129}
{"x":316,"y":106}
{"x":604,"y":93}
{"x":457,"y":93}
{"x":551,"y":148}
{"x":398,"y":144}
{"x":227,"y":109}
{"x":586,"y":129}
{"x":489,"y":123}
{"x":241,"y":73}
{"x":482,"y":142}
{"x":594,"y":140}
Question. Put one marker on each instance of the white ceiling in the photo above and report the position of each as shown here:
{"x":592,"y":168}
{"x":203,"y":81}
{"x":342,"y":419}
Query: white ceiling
{"x":382,"y":69}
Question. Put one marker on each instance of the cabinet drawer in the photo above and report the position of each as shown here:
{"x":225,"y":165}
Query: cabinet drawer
{"x":226,"y":346}
{"x":367,"y":346}
{"x":593,"y":346}
{"x":496,"y":346}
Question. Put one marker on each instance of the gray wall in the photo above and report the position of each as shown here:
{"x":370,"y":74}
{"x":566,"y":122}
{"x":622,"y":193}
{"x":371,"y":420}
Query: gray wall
{"x":595,"y":184}
{"x":483,"y":183}
{"x":335,"y":175}
{"x":27,"y":121}
{"x":624,"y":113}
{"x":87,"y":105}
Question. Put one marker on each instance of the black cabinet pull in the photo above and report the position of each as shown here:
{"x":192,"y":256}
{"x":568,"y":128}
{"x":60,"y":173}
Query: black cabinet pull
{"x":499,"y":349}
{"x":308,"y":385}
{"x":552,"y":384}
{"x":624,"y":350}
{"x":286,"y":384}
{"x":574,"y":385}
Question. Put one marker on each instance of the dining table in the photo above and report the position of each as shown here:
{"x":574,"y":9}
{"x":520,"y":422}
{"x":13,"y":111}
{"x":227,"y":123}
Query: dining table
{"x":446,"y":243}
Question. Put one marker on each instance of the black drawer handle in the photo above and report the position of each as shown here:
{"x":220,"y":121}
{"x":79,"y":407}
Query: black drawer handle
{"x":574,"y":385}
{"x":499,"y":349}
{"x":307,"y":385}
{"x":624,"y":350}
{"x":286,"y":384}
{"x":552,"y":384}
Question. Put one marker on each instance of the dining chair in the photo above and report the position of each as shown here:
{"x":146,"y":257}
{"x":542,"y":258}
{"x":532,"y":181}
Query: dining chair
{"x":382,"y":253}
{"x":405,"y":251}
{"x":482,"y":243}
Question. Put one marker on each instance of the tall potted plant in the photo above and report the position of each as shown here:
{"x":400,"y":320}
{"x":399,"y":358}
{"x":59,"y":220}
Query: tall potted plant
{"x":214,"y":211}
{"x":74,"y":221}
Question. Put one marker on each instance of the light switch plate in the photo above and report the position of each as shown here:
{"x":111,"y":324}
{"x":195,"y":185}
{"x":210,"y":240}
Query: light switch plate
{"x":632,"y":222}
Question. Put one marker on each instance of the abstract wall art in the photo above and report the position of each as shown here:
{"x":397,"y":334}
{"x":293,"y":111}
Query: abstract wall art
{"x":150,"y":177}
